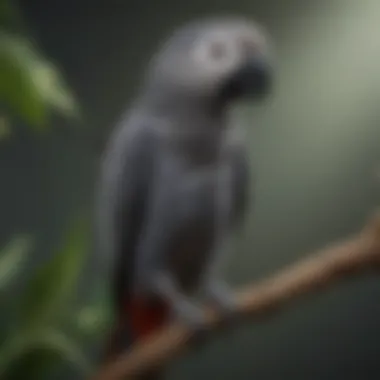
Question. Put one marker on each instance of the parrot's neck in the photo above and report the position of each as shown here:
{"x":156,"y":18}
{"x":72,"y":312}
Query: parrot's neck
{"x":194,"y":131}
{"x":192,"y":115}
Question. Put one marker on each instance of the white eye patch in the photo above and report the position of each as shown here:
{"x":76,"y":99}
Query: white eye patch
{"x":216,"y":53}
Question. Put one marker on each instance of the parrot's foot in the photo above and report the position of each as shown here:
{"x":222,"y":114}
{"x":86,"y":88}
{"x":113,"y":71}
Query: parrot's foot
{"x":184,"y":309}
{"x":223,"y":299}
{"x":193,"y":316}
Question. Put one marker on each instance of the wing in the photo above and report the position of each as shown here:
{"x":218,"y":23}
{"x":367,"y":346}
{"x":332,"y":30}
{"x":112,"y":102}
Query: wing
{"x":125,"y":183}
{"x":241,"y":184}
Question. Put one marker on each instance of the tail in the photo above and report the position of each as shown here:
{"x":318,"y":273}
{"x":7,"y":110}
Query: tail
{"x":140,"y":318}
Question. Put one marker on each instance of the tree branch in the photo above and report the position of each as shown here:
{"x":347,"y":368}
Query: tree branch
{"x":358,"y":254}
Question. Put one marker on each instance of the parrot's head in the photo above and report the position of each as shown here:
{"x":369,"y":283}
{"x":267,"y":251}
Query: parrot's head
{"x":223,"y":59}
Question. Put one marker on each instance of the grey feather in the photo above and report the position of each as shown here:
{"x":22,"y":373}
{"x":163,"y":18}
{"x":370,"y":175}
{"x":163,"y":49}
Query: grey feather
{"x":124,"y":187}
{"x":165,"y":211}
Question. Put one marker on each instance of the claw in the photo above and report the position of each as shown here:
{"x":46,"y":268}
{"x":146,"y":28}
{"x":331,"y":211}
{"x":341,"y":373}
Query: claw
{"x":194,"y":318}
{"x":223,"y":298}
{"x":183,"y":308}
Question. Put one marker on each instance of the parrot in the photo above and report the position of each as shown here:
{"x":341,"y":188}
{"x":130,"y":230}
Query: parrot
{"x":175,"y":179}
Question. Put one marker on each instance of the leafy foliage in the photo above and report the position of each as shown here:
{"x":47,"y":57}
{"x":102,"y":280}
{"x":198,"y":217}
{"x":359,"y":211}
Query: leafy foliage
{"x":11,"y":259}
{"x":42,"y":334}
{"x":31,"y":87}
{"x":45,"y":302}
{"x":53,"y":284}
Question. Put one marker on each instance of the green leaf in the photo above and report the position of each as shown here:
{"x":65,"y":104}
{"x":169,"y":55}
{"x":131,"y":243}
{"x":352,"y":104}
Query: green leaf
{"x":30,"y":85}
{"x":54,"y":284}
{"x":66,"y":348}
{"x":92,"y":320}
{"x":11,"y":351}
{"x":5,"y":129}
{"x":53,"y":341}
{"x":11,"y":259}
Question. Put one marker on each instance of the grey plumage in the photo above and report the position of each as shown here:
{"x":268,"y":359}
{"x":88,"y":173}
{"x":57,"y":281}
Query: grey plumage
{"x":165,"y":211}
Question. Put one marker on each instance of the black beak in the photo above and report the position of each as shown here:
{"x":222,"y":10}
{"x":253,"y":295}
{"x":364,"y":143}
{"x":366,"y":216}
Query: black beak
{"x":252,"y":79}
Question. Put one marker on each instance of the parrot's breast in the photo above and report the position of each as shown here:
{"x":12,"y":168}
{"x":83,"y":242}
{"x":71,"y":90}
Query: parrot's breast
{"x":194,"y":235}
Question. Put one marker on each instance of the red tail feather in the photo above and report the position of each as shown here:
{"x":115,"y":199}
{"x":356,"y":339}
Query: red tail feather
{"x":146,"y":316}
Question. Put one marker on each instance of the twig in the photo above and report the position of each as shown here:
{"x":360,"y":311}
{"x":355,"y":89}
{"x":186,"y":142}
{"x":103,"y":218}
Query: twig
{"x":355,"y":255}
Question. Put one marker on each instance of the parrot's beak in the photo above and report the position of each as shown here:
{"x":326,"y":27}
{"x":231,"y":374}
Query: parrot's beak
{"x":252,"y":79}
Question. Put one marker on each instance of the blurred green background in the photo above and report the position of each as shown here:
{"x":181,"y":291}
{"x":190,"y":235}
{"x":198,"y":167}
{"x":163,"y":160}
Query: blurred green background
{"x":67,"y":71}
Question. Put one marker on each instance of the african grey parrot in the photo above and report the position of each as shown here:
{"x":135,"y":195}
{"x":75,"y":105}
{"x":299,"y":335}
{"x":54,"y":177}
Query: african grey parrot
{"x":174,"y":177}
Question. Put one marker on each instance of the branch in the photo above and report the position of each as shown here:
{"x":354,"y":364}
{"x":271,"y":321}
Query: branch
{"x":358,"y":254}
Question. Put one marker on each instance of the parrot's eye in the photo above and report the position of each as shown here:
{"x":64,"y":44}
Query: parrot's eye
{"x":216,"y":51}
